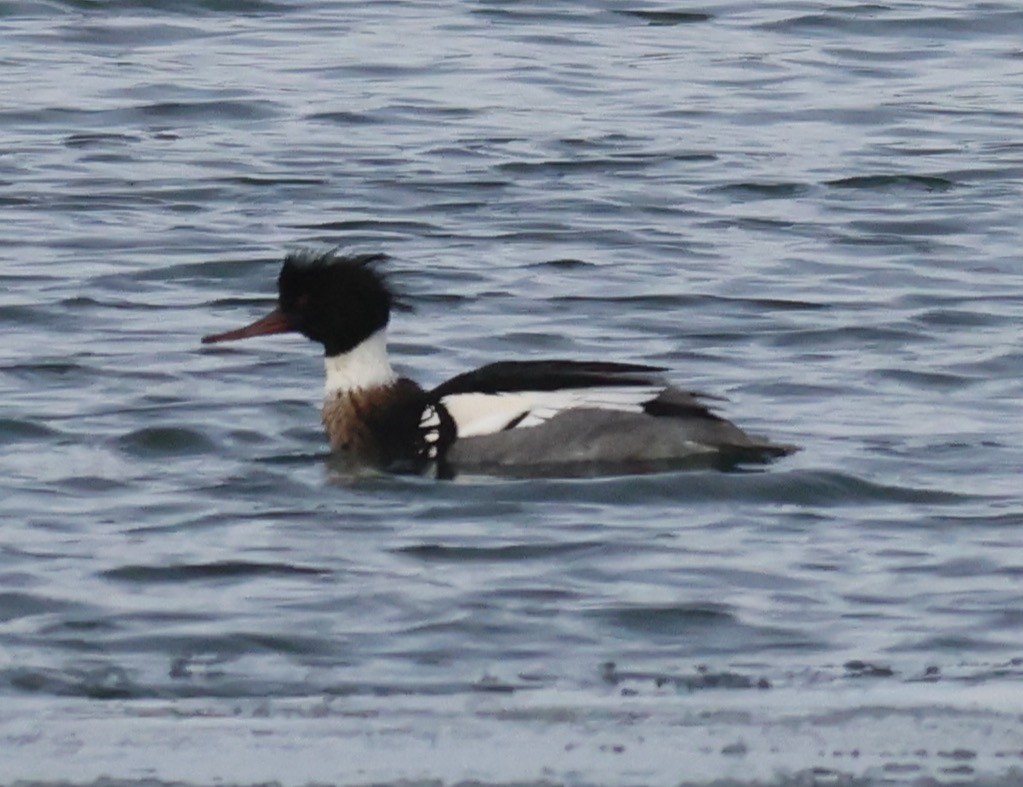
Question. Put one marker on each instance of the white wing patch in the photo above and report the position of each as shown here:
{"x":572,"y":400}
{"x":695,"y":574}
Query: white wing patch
{"x":477,"y":414}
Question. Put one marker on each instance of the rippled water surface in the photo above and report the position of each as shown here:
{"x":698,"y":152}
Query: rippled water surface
{"x":809,"y":208}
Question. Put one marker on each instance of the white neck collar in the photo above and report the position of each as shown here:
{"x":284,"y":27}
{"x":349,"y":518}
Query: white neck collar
{"x":364,"y":366}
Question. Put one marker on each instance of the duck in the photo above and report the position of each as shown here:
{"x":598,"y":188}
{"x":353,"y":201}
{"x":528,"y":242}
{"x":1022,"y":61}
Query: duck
{"x":542,"y":417}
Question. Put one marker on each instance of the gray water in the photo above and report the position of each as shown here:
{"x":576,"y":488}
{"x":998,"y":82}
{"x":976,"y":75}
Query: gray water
{"x":809,"y":208}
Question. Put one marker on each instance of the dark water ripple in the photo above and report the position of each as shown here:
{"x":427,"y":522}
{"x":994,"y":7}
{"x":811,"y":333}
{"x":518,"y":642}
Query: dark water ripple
{"x":807,"y":210}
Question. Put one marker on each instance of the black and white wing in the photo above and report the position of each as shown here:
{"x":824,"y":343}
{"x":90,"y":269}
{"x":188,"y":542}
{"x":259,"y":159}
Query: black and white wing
{"x":523,"y":394}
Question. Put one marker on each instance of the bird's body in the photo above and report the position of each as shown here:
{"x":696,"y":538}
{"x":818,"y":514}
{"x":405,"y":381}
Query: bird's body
{"x":504,"y":417}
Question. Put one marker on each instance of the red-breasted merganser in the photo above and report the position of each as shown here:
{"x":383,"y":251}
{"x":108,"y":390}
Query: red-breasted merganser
{"x":505,"y":417}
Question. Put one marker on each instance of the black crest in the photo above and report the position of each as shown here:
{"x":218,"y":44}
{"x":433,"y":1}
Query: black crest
{"x":334,"y":299}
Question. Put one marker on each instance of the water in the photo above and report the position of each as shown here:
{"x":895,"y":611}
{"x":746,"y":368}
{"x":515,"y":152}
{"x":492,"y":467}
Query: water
{"x":809,"y":208}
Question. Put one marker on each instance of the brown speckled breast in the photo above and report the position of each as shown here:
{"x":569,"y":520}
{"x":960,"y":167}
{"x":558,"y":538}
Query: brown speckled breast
{"x":379,"y":426}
